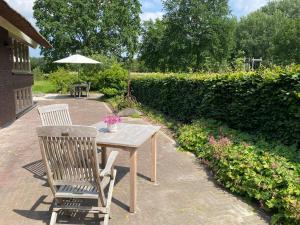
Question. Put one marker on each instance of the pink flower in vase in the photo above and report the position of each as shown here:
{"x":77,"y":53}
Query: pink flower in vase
{"x":112,"y":122}
{"x":112,"y":119}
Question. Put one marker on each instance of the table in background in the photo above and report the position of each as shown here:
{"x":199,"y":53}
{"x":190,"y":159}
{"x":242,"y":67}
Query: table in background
{"x":79,"y":88}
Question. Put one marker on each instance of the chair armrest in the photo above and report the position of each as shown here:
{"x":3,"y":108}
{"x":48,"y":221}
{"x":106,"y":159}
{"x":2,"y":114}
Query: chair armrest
{"x":109,"y":164}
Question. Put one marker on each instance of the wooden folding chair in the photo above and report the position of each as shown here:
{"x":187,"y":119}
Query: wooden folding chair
{"x":55,"y":115}
{"x":71,"y":160}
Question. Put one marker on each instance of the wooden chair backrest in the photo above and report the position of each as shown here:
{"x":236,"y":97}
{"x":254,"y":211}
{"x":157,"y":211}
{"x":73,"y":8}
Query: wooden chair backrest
{"x":70,"y":156}
{"x":55,"y":115}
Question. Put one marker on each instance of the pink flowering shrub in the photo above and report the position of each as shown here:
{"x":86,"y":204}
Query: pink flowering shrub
{"x":112,"y":119}
{"x":266,"y":172}
{"x":221,"y":143}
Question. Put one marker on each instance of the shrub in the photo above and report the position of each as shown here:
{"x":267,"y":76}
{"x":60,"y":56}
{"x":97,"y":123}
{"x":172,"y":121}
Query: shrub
{"x":263,"y":102}
{"x":63,"y":79}
{"x":37,"y":74}
{"x":92,"y":72}
{"x":118,"y":103}
{"x":249,"y":166}
{"x":109,"y":92}
{"x":113,"y":81}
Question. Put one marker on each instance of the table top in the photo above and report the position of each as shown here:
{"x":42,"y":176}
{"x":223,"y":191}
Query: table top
{"x":80,"y":85}
{"x":127,"y":135}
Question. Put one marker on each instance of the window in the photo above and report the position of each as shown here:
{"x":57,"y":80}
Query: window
{"x":20,"y":57}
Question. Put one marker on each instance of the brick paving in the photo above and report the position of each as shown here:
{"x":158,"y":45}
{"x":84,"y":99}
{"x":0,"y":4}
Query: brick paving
{"x":185,"y":193}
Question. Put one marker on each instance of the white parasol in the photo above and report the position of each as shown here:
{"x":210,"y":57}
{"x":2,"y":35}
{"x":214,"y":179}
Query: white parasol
{"x":77,"y":59}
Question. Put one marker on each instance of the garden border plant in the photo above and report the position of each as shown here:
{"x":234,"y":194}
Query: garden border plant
{"x":263,"y":171}
{"x":266,"y":172}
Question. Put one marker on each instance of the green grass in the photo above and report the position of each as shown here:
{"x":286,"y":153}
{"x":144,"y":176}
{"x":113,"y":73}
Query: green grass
{"x":43,"y":86}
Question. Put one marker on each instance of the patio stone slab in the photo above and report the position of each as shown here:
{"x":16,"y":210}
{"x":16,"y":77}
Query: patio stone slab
{"x":185,"y":194}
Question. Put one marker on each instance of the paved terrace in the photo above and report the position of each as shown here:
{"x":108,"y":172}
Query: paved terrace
{"x":185,"y":193}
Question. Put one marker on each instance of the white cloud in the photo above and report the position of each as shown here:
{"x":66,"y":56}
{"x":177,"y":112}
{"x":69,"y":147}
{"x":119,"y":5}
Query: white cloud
{"x":244,"y":7}
{"x":151,"y":15}
{"x":24,"y":7}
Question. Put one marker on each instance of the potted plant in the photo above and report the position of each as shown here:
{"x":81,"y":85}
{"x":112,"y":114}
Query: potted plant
{"x":112,"y":122}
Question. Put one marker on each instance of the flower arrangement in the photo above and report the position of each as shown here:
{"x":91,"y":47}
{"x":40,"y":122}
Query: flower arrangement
{"x":112,"y":119}
{"x":112,"y":122}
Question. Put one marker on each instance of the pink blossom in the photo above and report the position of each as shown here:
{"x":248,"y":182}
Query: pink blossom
{"x":112,"y":119}
{"x":274,"y":166}
{"x":222,"y":142}
{"x":212,"y":140}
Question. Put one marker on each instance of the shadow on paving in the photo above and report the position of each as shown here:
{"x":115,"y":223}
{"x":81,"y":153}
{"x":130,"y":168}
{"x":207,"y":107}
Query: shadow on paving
{"x":72,"y":217}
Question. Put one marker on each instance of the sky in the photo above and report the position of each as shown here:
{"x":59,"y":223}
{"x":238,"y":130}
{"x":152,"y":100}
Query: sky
{"x":152,"y":9}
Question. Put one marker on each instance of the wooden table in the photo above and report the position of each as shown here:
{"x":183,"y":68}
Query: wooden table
{"x":129,"y":137}
{"x":78,"y":88}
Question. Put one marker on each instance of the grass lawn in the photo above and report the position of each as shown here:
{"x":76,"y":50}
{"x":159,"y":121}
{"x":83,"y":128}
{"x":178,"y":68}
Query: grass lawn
{"x":43,"y":86}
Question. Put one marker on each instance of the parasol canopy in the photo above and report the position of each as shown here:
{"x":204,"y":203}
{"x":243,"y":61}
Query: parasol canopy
{"x":77,"y":59}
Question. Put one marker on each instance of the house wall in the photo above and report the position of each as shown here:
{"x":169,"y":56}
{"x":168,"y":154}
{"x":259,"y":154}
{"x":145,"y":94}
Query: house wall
{"x":9,"y":81}
{"x":7,"y":102}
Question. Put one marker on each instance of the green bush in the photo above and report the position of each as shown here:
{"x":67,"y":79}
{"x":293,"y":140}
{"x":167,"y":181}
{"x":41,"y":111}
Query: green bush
{"x":92,"y":72}
{"x":249,"y":166}
{"x":265,"y":102}
{"x":113,"y":81}
{"x":109,"y":92}
{"x":37,"y":74}
{"x":63,"y":79}
{"x":118,"y":103}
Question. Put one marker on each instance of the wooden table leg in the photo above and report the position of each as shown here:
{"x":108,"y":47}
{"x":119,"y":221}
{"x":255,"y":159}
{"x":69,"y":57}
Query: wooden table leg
{"x":103,"y":157}
{"x":153,"y":158}
{"x":133,"y":171}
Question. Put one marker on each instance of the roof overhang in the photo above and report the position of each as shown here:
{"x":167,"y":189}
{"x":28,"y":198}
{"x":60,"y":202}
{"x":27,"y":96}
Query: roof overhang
{"x":17,"y":25}
{"x":15,"y":32}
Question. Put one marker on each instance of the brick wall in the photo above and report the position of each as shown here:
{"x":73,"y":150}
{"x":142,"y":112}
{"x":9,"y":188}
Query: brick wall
{"x":8,"y":81}
{"x":7,"y":105}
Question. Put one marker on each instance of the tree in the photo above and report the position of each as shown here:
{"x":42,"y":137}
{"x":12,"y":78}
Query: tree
{"x":254,"y":34}
{"x":272,"y":33}
{"x":193,"y":35}
{"x":290,"y":8}
{"x":38,"y":62}
{"x":151,"y":51}
{"x":110,"y":27}
{"x":197,"y":32}
{"x":287,"y":43}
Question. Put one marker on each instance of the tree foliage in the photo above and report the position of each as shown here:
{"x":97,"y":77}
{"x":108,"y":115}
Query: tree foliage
{"x":272,"y":32}
{"x":151,"y":51}
{"x":193,"y":35}
{"x":202,"y":35}
{"x":110,"y":27}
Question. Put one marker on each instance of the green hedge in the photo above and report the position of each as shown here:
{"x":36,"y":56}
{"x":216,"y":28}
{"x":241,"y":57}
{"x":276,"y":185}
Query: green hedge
{"x":266,"y":101}
{"x":249,"y":166}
